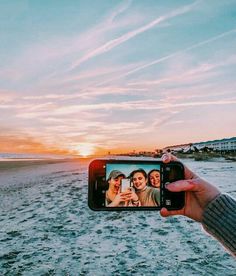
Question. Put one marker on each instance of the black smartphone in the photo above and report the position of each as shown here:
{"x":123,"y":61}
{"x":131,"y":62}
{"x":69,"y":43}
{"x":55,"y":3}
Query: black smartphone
{"x":133,"y":185}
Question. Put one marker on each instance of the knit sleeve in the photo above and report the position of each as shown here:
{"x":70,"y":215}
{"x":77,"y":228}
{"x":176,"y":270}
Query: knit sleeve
{"x":219,"y":219}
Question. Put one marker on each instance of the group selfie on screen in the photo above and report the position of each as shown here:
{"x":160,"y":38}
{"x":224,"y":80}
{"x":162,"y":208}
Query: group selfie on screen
{"x":138,"y":189}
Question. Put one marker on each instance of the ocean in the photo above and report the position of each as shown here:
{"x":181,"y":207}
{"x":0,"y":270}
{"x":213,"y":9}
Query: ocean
{"x":46,"y":228}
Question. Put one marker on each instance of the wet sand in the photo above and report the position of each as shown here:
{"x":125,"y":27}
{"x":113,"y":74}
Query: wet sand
{"x":19,"y":163}
{"x":46,"y":228}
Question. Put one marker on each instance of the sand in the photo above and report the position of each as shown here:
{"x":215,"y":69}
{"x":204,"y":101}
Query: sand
{"x":6,"y":164}
{"x":46,"y":228}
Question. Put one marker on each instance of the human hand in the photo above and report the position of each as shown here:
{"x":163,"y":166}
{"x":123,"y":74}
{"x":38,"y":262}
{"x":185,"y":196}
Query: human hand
{"x":133,"y":195}
{"x":198,"y":193}
{"x":120,"y":197}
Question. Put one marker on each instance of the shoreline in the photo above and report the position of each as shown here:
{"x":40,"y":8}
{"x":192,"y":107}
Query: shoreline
{"x":9,"y":164}
{"x":17,"y":163}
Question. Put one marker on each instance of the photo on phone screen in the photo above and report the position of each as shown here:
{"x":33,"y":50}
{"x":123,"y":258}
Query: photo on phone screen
{"x":125,"y":185}
{"x":133,"y":185}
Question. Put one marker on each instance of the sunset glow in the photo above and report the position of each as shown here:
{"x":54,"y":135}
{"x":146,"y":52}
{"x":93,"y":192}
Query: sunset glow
{"x":85,"y":149}
{"x":111,"y":76}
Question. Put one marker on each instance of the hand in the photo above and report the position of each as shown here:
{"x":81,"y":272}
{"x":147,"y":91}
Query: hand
{"x":198,"y":193}
{"x":133,"y":195}
{"x":120,"y":197}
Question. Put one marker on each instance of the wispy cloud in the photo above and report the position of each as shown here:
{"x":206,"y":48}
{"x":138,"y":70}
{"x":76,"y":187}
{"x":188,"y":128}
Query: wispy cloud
{"x":118,"y":41}
{"x":58,"y":51}
{"x":165,"y":58}
{"x":198,"y":73}
{"x":44,"y":111}
{"x":117,"y":11}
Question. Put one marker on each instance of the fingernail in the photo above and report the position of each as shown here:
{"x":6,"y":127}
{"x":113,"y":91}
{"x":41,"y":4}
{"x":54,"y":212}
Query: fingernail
{"x":166,"y":184}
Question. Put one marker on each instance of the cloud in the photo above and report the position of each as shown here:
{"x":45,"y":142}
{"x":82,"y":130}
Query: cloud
{"x":159,"y":60}
{"x":117,"y":11}
{"x":118,"y":41}
{"x":23,"y":143}
{"x":186,"y":75}
{"x":7,"y":96}
{"x":148,"y":105}
{"x":191,"y":75}
{"x":97,"y":72}
{"x":72,"y":128}
{"x":57,"y":52}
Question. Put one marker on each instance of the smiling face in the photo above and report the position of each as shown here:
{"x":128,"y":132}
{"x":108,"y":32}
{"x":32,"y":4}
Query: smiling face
{"x":114,"y":184}
{"x":155,"y":179}
{"x":139,"y":181}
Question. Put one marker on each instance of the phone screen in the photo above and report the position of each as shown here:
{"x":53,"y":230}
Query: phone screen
{"x":125,"y":185}
{"x":145,"y":180}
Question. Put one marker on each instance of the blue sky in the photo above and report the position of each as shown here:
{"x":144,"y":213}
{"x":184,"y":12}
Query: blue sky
{"x":127,"y":169}
{"x":98,"y":76}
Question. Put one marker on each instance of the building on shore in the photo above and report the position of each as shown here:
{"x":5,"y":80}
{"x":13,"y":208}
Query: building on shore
{"x":225,"y":145}
{"x":222,"y":145}
{"x":178,"y":148}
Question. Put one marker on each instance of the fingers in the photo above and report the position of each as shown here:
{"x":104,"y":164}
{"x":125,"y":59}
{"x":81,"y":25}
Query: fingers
{"x":168,"y":157}
{"x":189,"y":174}
{"x":182,"y":186}
{"x":166,"y":213}
{"x":126,"y":197}
{"x":126,"y":193}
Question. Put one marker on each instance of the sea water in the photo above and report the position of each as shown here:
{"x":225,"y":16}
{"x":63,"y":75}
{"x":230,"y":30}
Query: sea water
{"x":46,"y":228}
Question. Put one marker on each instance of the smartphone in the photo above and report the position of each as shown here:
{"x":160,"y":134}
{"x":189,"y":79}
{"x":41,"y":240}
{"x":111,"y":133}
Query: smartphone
{"x":147,"y":179}
{"x":125,"y":185}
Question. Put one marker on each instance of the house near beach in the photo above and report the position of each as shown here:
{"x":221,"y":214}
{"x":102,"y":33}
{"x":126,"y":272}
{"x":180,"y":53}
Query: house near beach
{"x":222,"y":145}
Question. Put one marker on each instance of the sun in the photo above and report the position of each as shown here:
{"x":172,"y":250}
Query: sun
{"x":85,"y":149}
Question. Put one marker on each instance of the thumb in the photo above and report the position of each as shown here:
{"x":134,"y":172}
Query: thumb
{"x":166,"y":213}
{"x":182,"y":185}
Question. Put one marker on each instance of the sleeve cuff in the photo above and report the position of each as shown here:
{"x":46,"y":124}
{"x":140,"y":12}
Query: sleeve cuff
{"x":219,"y":219}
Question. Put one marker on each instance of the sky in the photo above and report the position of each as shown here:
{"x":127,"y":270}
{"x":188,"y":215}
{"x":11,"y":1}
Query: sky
{"x":128,"y":168}
{"x":91,"y":77}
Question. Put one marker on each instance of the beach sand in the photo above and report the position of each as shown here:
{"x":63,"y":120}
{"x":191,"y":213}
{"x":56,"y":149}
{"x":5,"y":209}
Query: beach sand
{"x":46,"y":228}
{"x":6,"y":164}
